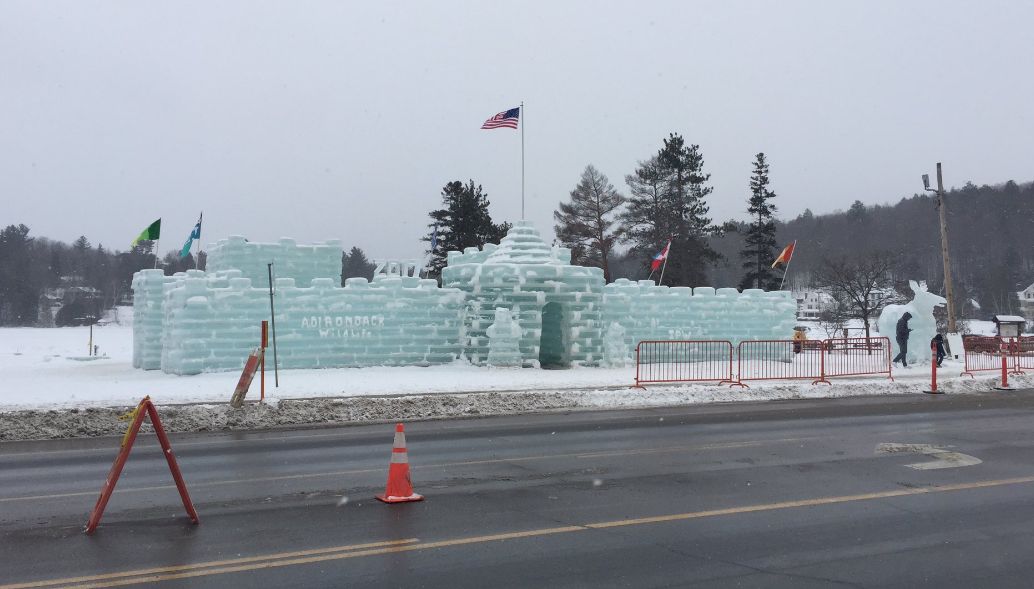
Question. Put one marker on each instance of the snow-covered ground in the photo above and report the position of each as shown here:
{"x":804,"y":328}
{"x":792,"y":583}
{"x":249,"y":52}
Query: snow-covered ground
{"x":45,"y":368}
{"x":50,"y":389}
{"x":49,"y":368}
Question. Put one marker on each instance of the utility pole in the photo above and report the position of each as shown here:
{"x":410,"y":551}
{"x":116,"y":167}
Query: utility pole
{"x":949,"y":293}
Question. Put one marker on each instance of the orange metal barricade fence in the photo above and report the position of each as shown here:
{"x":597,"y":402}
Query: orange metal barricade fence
{"x":857,"y":356}
{"x":668,"y":361}
{"x":1024,"y":353}
{"x":671,"y":361}
{"x":779,"y":360}
{"x":982,"y":354}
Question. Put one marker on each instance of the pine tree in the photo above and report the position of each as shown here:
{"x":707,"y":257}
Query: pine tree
{"x":81,"y":258}
{"x":643,"y":222}
{"x":19,"y":289}
{"x":355,"y":264}
{"x":462,"y":222}
{"x":760,"y":242}
{"x":668,"y":202}
{"x":584,"y":224}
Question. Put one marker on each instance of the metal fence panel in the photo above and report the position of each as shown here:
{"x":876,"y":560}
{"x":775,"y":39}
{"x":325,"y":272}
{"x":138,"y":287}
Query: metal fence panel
{"x":779,"y":360}
{"x":982,"y":354}
{"x":660,"y":361}
{"x":857,"y":356}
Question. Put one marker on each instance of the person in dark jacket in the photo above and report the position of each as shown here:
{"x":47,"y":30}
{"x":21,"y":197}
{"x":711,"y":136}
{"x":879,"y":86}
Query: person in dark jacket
{"x":939,"y":341}
{"x":901,"y":335}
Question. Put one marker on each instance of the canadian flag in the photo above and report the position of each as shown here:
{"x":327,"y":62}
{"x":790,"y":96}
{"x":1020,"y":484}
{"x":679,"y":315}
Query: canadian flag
{"x":659,"y":258}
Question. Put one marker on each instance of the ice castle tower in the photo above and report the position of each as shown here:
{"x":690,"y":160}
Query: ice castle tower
{"x":556,"y":304}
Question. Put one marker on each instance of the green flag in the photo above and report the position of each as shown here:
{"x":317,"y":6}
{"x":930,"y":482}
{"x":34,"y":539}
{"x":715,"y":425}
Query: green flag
{"x":153,"y":232}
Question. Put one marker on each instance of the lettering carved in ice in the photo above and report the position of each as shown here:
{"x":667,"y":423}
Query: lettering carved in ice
{"x":343,"y":325}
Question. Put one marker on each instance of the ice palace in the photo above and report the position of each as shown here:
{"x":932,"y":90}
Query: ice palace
{"x":518,"y":303}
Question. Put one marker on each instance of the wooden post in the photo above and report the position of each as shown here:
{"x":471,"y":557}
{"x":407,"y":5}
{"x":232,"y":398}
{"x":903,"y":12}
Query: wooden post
{"x":949,"y":294}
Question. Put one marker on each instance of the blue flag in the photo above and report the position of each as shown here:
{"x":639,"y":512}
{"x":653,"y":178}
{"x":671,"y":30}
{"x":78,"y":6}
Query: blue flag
{"x":194,"y":234}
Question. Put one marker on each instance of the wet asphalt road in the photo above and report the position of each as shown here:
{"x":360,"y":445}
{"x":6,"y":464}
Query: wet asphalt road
{"x":777,"y":494}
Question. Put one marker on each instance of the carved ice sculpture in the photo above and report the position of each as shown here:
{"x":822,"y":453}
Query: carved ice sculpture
{"x":504,"y":337}
{"x":615,"y":350}
{"x":922,"y":323}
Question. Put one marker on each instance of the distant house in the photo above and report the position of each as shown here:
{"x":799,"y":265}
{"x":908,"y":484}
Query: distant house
{"x":1026,"y":297}
{"x":69,"y":304}
{"x":810,"y":303}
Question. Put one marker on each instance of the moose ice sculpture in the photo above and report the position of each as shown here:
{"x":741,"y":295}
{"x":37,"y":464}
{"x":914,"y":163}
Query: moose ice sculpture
{"x":922,"y":322}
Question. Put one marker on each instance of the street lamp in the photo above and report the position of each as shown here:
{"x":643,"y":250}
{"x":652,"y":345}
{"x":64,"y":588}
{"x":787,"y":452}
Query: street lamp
{"x":948,"y":293}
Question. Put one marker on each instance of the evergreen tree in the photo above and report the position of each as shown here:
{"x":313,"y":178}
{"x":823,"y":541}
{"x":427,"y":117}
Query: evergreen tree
{"x":463,"y":221}
{"x":355,"y":264}
{"x":81,"y":258}
{"x":584,"y":224}
{"x":668,"y":202}
{"x":643,"y":221}
{"x":19,"y":288}
{"x":173,"y":263}
{"x":759,"y":241}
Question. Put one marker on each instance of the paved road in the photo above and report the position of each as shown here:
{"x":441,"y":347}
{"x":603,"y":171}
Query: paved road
{"x":780,"y":494}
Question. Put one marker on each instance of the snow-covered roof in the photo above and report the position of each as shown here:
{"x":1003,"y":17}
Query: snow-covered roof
{"x":1009,"y":319}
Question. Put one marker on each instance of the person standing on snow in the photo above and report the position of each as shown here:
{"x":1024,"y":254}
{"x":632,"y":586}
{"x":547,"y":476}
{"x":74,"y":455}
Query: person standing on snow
{"x":939,"y":340}
{"x":901,"y":336}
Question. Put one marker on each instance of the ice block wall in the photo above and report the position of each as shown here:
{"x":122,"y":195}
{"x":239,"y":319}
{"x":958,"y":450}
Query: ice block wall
{"x":290,"y":260}
{"x":394,"y":321}
{"x":148,"y":288}
{"x":525,"y":275}
{"x":650,"y":312}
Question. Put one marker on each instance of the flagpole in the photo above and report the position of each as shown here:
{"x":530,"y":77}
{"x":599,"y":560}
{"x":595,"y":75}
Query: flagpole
{"x":157,"y":249}
{"x":667,"y":254}
{"x":198,"y":255}
{"x":787,"y":267}
{"x":522,"y":159}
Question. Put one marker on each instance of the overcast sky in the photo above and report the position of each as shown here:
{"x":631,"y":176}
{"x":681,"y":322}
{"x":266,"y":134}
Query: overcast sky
{"x":321,"y":120}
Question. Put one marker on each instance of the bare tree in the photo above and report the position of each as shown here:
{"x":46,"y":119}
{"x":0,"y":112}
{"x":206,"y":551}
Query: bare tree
{"x":584,"y":224}
{"x":865,"y":282}
{"x":834,"y":315}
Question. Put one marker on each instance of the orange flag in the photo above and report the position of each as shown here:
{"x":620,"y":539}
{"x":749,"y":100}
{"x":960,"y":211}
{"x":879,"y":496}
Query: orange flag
{"x":784,"y":257}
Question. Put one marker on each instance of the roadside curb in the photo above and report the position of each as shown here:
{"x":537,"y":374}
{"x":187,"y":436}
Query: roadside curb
{"x":299,"y":412}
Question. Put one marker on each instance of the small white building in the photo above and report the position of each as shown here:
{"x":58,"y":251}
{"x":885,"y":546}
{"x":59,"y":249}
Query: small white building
{"x":811,"y":302}
{"x":1009,"y":325}
{"x":1026,"y":297}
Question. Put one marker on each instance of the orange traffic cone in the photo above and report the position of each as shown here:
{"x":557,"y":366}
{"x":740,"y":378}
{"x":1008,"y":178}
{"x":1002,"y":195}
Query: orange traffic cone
{"x":400,"y":488}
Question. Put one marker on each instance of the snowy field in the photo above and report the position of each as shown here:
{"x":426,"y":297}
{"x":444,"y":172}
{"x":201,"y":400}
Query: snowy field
{"x":48,"y":369}
{"x":44,"y":368}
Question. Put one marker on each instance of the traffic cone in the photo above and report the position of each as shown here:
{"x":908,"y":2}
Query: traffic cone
{"x":400,"y":487}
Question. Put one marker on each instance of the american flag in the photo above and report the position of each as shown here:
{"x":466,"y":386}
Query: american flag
{"x":506,"y":118}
